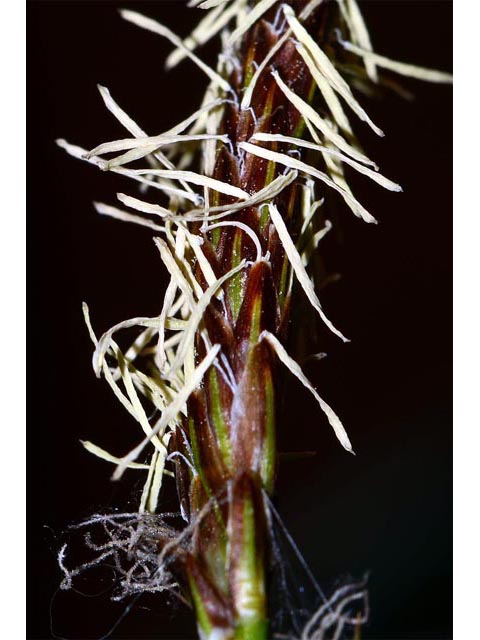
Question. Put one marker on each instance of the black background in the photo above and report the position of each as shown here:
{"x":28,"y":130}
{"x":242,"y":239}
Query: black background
{"x":387,"y":510}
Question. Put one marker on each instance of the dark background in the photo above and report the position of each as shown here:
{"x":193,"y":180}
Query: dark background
{"x":387,"y":510}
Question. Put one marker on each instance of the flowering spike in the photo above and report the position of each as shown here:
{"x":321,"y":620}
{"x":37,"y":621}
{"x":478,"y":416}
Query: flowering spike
{"x":240,"y":220}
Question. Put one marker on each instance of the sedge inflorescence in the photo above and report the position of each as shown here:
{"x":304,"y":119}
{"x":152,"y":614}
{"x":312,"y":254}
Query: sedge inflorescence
{"x":237,"y":220}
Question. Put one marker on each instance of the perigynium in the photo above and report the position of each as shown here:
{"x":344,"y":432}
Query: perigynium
{"x":234,"y":195}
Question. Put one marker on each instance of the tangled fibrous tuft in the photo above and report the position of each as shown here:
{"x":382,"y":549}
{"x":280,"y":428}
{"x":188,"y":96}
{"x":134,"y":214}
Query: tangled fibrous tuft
{"x":129,"y":543}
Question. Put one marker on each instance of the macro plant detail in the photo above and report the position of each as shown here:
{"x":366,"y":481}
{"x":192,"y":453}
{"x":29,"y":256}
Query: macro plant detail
{"x":234,"y":194}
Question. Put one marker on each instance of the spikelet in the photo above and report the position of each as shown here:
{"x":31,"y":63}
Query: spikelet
{"x":238,"y":220}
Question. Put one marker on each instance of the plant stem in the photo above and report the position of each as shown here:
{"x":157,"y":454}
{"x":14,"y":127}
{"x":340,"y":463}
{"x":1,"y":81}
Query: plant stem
{"x":231,"y":425}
